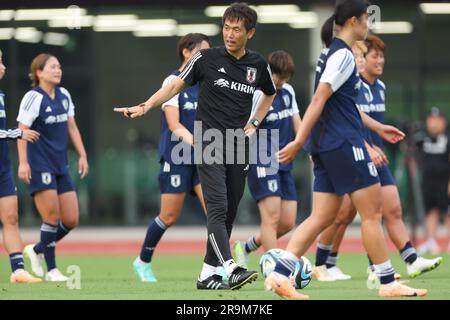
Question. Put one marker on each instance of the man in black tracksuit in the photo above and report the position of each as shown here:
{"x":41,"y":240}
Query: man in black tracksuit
{"x":435,"y":156}
{"x":228,"y":77}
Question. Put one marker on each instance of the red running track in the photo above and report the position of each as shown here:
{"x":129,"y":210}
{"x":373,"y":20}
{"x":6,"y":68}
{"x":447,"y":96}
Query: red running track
{"x":177,"y":247}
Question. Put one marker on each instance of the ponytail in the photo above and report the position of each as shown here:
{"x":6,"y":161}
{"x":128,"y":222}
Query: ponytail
{"x":327,"y":31}
{"x":344,"y":10}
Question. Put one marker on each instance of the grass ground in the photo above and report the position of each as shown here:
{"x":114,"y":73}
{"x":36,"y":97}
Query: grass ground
{"x":111,"y":277}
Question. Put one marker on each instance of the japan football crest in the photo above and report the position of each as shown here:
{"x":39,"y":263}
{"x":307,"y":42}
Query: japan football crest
{"x":372,"y":169}
{"x":175,"y":180}
{"x":272,"y":185}
{"x":251,"y":74}
{"x":46,"y":178}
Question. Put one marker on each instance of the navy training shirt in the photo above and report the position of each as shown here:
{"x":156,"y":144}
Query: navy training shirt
{"x":48,"y":117}
{"x":340,"y":120}
{"x":186,"y":102}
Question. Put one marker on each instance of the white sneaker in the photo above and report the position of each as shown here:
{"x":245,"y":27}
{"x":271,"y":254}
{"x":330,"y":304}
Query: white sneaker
{"x":422,"y":265}
{"x":240,"y":255}
{"x":337,"y":273}
{"x":55,"y":275}
{"x":321,"y":274}
{"x":373,"y":282}
{"x":35,"y":260}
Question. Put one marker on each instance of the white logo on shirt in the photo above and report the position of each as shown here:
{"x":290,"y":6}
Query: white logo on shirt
{"x":190,"y":106}
{"x":222,"y":70}
{"x":48,"y":109}
{"x":185,"y":95}
{"x":438,"y":147}
{"x":280,"y":115}
{"x":222,"y":83}
{"x":56,"y":119}
{"x":236,"y":86}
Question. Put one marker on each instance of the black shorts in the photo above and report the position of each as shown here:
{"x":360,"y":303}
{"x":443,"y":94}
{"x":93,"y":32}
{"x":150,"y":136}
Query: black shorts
{"x":435,"y":195}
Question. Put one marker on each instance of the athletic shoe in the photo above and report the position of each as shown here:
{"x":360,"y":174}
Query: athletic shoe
{"x":375,"y":281}
{"x":240,"y":277}
{"x":337,"y":273}
{"x":282,"y":287}
{"x":429,"y":246}
{"x":55,"y":275}
{"x":212,"y":283}
{"x":221,"y":272}
{"x":22,"y":276}
{"x":321,"y":273}
{"x":400,"y":290}
{"x":240,"y":255}
{"x":422,"y":265}
{"x":143,"y":271}
{"x":35,"y":260}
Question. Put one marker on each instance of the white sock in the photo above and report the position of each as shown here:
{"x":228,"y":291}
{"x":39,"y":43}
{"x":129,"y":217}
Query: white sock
{"x":142,"y":262}
{"x":19,"y":271}
{"x":385,"y":269}
{"x":229,"y":266}
{"x":207,"y":271}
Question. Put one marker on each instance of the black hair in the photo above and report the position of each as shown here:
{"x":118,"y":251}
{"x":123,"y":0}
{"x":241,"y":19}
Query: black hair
{"x":344,"y":10}
{"x":190,"y":41}
{"x":241,"y":11}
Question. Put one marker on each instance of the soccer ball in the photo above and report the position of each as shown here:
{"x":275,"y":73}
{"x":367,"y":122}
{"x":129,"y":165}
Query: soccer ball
{"x":302,"y":274}
{"x":269,"y":260}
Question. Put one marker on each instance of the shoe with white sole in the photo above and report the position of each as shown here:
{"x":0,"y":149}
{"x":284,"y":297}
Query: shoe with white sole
{"x":35,"y":260}
{"x":143,"y":271}
{"x":55,"y":275}
{"x":240,"y":255}
{"x":321,"y":274}
{"x":22,"y":276}
{"x":422,"y":265}
{"x":282,"y":287}
{"x":337,"y":273}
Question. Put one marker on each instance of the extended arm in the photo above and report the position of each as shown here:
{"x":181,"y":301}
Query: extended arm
{"x":161,"y":96}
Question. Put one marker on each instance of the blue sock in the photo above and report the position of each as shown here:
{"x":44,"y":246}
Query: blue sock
{"x":286,"y":264}
{"x":408,"y":253}
{"x":16,"y":260}
{"x":332,"y":259}
{"x":251,"y":245}
{"x":322,"y":254}
{"x":154,"y":233}
{"x":62,"y":231}
{"x":48,"y":240}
